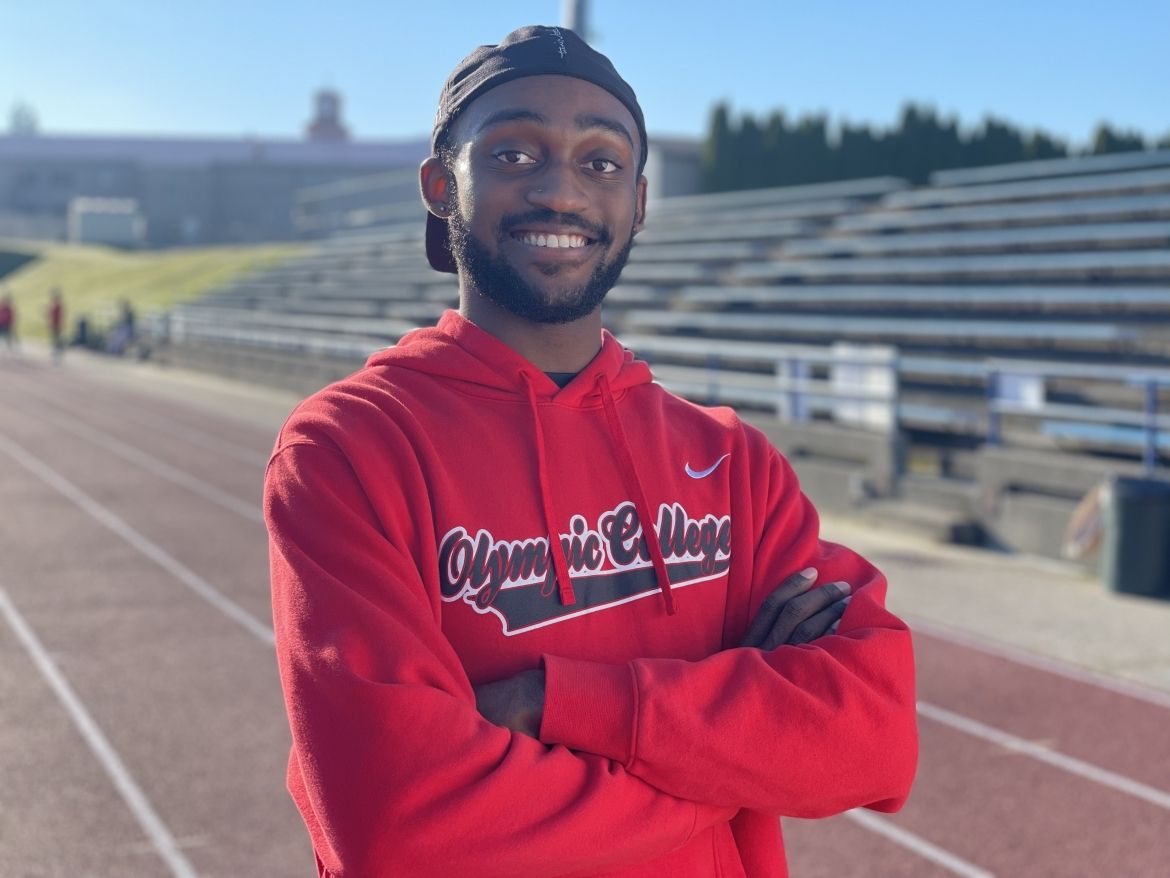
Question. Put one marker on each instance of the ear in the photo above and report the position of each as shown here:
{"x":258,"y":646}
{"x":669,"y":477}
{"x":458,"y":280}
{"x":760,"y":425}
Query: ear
{"x":640,"y":203}
{"x":434,"y":182}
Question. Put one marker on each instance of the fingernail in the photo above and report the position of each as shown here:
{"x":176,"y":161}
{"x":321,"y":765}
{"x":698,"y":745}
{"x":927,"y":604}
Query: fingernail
{"x":845,"y":587}
{"x":833,"y":627}
{"x":846,"y":600}
{"x":808,"y":573}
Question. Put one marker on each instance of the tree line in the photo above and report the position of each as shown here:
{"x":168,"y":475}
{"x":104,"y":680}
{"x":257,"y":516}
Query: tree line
{"x":750,"y":153}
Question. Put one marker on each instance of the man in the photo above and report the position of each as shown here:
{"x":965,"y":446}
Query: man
{"x":489,"y":669}
{"x":55,"y":316}
{"x":8,"y":322}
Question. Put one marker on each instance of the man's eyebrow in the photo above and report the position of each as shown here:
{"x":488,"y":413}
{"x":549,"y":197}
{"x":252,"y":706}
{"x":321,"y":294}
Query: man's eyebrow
{"x":517,"y":114}
{"x":585,"y":122}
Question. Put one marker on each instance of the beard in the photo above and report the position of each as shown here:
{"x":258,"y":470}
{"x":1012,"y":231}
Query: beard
{"x":498,"y":279}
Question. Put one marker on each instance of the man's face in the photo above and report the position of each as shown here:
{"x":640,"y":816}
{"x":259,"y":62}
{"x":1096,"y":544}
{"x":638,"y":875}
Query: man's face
{"x":546,"y":195}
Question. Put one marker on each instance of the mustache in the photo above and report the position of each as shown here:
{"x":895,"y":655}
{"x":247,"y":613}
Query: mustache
{"x":598,"y":233}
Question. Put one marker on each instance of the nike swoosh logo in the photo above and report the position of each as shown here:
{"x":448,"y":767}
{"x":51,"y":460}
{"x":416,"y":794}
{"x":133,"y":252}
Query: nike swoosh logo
{"x":702,"y":474}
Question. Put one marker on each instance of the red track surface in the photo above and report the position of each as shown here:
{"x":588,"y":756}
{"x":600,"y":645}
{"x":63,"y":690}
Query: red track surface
{"x":121,"y":510}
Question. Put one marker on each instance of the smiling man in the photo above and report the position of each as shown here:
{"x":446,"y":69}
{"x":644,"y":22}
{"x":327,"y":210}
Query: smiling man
{"x":535,"y":616}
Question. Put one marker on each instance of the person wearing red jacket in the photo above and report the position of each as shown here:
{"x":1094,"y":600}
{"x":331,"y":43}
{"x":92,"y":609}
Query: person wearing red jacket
{"x":535,"y":616}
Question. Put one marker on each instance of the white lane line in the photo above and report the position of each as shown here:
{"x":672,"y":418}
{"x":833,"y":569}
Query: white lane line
{"x":132,"y":794}
{"x":156,"y":553}
{"x":182,"y":432}
{"x":161,"y":418}
{"x":129,"y":415}
{"x":201,"y":439}
{"x":918,"y":845}
{"x":160,"y":468}
{"x":1047,"y":755}
{"x":1043,"y":663}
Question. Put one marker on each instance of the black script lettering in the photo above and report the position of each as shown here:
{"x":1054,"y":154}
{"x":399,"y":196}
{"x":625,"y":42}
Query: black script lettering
{"x":454,"y":563}
{"x":625,"y":541}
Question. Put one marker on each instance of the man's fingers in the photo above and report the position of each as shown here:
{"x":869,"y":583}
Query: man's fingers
{"x":794,"y":585}
{"x":800,"y":609}
{"x":820,"y":624}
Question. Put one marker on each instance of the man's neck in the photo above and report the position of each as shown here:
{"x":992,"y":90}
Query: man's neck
{"x":551,"y":347}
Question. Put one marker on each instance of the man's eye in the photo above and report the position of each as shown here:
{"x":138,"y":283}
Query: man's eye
{"x":604,"y":166}
{"x":515,"y":157}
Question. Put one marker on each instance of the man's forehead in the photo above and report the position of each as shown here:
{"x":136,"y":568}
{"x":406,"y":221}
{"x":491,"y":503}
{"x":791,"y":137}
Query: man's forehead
{"x":546,"y":99}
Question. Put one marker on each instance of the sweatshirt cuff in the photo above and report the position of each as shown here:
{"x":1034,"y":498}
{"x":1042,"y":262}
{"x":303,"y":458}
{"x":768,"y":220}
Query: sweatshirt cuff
{"x":589,"y":706}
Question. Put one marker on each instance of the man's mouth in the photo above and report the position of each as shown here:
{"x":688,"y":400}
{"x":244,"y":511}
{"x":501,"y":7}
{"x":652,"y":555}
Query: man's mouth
{"x":552,"y":241}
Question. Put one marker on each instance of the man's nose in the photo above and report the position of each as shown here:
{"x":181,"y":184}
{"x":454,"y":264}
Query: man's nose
{"x":560,"y":189}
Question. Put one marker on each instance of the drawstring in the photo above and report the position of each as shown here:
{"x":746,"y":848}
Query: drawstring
{"x":634,"y":486}
{"x":556,"y":550}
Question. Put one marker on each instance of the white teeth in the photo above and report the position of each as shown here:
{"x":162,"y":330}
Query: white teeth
{"x":555,"y":241}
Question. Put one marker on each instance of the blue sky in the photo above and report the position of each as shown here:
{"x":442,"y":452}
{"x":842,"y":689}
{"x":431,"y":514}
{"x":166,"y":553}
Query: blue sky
{"x":220,"y":68}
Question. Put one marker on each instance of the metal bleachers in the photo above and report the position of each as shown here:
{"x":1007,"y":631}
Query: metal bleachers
{"x":1146,"y":180}
{"x":1098,"y":265}
{"x":1048,"y":168}
{"x":1004,"y":216}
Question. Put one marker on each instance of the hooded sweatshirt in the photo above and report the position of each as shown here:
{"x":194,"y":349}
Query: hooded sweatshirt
{"x":410,"y":508}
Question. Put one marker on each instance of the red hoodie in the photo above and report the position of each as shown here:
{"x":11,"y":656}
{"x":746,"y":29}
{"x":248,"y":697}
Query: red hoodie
{"x":409,"y":508}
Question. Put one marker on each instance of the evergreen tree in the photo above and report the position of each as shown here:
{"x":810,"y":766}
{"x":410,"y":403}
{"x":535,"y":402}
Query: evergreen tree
{"x":1106,"y":140}
{"x":717,"y":151}
{"x":1040,"y":146}
{"x":747,"y":153}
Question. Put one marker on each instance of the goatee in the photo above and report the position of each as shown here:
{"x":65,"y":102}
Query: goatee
{"x":497,"y":279}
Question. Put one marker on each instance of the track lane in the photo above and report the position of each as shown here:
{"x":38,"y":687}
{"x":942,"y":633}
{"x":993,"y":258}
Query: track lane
{"x":1079,"y":719}
{"x":55,"y":800}
{"x":1013,"y":815}
{"x":239,"y":475}
{"x":241,"y":419}
{"x":840,"y":848}
{"x":223,"y":549}
{"x":161,"y":838}
{"x":192,"y":703}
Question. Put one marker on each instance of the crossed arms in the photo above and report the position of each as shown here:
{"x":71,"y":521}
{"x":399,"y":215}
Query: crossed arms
{"x":790,"y":615}
{"x":395,"y":770}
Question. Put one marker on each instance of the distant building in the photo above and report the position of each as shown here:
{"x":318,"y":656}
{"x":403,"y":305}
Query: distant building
{"x":674,"y":166}
{"x":189,"y":191}
{"x":326,"y":126}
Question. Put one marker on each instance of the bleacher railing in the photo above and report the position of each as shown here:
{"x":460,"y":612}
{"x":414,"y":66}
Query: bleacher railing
{"x":1021,"y":389}
{"x":850,"y":385}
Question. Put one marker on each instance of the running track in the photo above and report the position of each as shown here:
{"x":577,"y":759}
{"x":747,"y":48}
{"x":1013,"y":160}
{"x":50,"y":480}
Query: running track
{"x":142,"y":731}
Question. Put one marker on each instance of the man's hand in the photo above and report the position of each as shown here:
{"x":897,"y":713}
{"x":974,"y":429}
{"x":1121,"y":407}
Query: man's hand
{"x":516,"y":703}
{"x":795,"y":614}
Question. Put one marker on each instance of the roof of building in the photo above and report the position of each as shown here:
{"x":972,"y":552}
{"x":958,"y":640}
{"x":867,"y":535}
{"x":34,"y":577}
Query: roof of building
{"x":204,"y":151}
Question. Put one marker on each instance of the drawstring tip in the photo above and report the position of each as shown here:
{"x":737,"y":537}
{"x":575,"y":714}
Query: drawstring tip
{"x":668,"y":599}
{"x":568,"y":599}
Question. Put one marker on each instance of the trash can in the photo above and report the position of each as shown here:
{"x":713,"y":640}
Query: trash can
{"x":1135,"y":553}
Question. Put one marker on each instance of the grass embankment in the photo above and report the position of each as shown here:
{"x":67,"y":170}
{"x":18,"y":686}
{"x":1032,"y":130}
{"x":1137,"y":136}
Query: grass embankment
{"x":95,"y":280}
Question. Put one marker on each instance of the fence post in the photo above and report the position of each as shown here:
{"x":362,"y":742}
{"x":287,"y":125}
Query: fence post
{"x":1150,"y":453}
{"x":712,"y":379}
{"x":993,"y":436}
